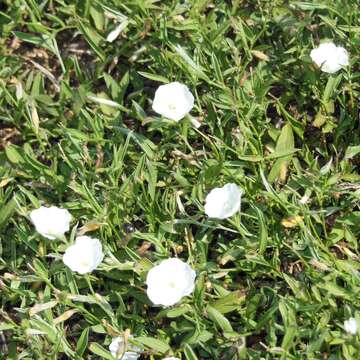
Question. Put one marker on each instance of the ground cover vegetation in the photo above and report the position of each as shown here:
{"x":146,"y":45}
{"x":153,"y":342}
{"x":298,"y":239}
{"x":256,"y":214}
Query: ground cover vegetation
{"x":274,"y":276}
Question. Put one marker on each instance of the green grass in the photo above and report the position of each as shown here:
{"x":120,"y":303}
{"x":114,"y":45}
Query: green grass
{"x":268,"y":286}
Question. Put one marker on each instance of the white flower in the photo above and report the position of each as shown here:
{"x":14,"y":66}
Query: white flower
{"x":173,"y":101}
{"x":351,"y":326}
{"x":329,"y":57}
{"x":169,"y":281}
{"x":118,"y":351}
{"x":51,"y":222}
{"x":113,"y":35}
{"x":224,"y":202}
{"x":84,"y":256}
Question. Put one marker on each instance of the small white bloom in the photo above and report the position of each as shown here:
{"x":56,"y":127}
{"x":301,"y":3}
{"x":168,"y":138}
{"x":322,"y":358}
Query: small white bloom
{"x":169,"y":281}
{"x":51,"y":222}
{"x":304,"y":199}
{"x":173,"y":101}
{"x":329,"y":57}
{"x":19,"y":90}
{"x":118,"y":351}
{"x":224,"y":202}
{"x":351,"y":326}
{"x":84,"y":256}
{"x":113,"y":35}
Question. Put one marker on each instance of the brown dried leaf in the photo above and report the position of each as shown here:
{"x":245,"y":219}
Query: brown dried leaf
{"x":100,"y":156}
{"x":41,"y":307}
{"x":292,"y":221}
{"x":144,"y":248}
{"x":5,"y":181}
{"x":65,"y":316}
{"x":88,"y":227}
{"x":319,"y":265}
{"x":260,"y":55}
{"x":35,"y":117}
{"x":110,"y":329}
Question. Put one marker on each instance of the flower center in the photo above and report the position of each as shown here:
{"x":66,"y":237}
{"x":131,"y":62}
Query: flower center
{"x":172,"y":106}
{"x":172,"y":284}
{"x":84,"y":263}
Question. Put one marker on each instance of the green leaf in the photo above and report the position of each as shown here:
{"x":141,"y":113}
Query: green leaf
{"x":351,"y":151}
{"x":297,"y":288}
{"x":221,"y":321}
{"x":7,"y":211}
{"x":320,"y":119}
{"x":155,"y":344}
{"x":93,"y":39}
{"x":285,"y":142}
{"x":113,"y":86}
{"x":154,"y":77}
{"x":308,"y":5}
{"x":147,"y":146}
{"x":99,"y":350}
{"x":189,"y":353}
{"x":250,"y":158}
{"x":263,"y":233}
{"x":5,"y":326}
{"x":331,"y":85}
{"x":216,"y":68}
{"x":174,"y":313}
{"x":97,"y":15}
{"x":289,"y":319}
{"x":13,"y":154}
{"x":42,"y":40}
{"x":199,"y":292}
{"x":192,"y":66}
{"x":82,"y":342}
{"x":152,"y":179}
{"x":52,"y":333}
{"x":284,"y":145}
{"x":40,"y":269}
{"x":336,"y":290}
{"x":229,"y":302}
{"x":107,"y":106}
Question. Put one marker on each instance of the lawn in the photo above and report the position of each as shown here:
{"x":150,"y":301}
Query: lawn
{"x":277,"y":278}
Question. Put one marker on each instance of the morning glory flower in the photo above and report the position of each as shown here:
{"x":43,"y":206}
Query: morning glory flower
{"x":351,"y":326}
{"x":174,"y":101}
{"x":84,"y":256}
{"x":329,"y":57}
{"x":51,"y":222}
{"x":118,"y":351}
{"x":168,"y":282}
{"x":223,"y":202}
